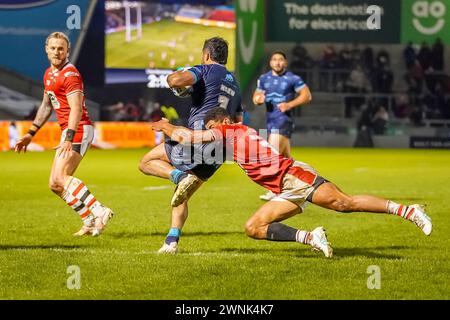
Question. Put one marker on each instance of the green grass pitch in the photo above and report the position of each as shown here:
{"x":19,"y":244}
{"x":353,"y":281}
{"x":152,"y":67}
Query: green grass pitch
{"x":216,"y":259}
{"x":159,"y":37}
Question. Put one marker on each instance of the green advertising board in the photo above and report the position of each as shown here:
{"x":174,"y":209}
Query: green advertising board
{"x":332,"y":21}
{"x":250,"y":39}
{"x":347,"y":21}
{"x":425,"y":20}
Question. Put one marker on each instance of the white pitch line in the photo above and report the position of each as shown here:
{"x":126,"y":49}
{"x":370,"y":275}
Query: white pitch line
{"x":153,"y":188}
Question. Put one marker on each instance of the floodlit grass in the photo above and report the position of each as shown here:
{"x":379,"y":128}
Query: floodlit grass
{"x":216,"y":259}
{"x":176,"y":39}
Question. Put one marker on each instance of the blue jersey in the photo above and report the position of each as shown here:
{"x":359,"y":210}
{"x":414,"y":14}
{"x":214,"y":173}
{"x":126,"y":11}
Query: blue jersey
{"x":279,"y":89}
{"x":214,"y":86}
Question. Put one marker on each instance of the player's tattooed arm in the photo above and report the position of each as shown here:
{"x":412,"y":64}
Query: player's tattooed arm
{"x":180,"y":78}
{"x":44,"y":111}
{"x":304,"y":97}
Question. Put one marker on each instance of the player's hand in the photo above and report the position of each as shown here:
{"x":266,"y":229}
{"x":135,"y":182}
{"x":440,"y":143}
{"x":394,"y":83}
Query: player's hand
{"x":23,"y":143}
{"x":158,"y":125}
{"x":65,"y":149}
{"x":283,"y":107}
{"x":259,"y":98}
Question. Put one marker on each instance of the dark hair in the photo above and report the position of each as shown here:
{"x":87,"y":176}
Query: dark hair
{"x":280,"y":53}
{"x":218,"y":49}
{"x":216,"y":114}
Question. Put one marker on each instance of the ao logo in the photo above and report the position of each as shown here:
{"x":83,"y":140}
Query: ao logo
{"x":425,"y":9}
{"x":247,"y":50}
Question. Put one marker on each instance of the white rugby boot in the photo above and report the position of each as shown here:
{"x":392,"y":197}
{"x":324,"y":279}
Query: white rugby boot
{"x":171,"y":248}
{"x":319,"y":242}
{"x":102,"y":221}
{"x":185,"y":189}
{"x":421,"y":220}
{"x":84,"y":231}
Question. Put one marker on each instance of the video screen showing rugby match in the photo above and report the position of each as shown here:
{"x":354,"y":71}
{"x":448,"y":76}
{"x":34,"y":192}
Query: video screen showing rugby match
{"x":165,"y":34}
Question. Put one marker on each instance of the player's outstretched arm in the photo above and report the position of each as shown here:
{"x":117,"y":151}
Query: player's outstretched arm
{"x":181,"y":78}
{"x":304,"y":97}
{"x":42,"y":115}
{"x":181,"y":134}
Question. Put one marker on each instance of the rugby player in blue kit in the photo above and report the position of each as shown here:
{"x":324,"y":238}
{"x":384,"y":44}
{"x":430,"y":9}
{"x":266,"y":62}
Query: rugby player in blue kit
{"x":209,"y":84}
{"x":281,"y":91}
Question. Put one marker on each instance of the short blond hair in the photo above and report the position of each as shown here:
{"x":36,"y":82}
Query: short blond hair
{"x":58,"y":35}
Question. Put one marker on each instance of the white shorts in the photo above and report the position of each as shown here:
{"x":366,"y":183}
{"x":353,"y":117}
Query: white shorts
{"x":298,"y":184}
{"x":82,"y":140}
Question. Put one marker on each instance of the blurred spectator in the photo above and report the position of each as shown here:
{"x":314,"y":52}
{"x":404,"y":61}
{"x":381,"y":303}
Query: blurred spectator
{"x":380,"y":120}
{"x":330,"y":58}
{"x":132,"y":112}
{"x":415,"y":78}
{"x":356,"y":54}
{"x":117,"y":112}
{"x":157,"y":113}
{"x":438,"y":55}
{"x":402,"y":108}
{"x":329,"y":62}
{"x":382,"y":78}
{"x":13,"y":133}
{"x":425,"y":56}
{"x":345,"y":57}
{"x":367,"y":59}
{"x":301,"y":61}
{"x":409,"y":54}
{"x":416,"y":116}
{"x":357,"y":83}
{"x":364,"y":126}
{"x":383,"y":58}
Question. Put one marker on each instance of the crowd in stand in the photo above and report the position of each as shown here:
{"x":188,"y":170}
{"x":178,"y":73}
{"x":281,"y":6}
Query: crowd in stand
{"x":356,"y":72}
{"x":138,"y":111}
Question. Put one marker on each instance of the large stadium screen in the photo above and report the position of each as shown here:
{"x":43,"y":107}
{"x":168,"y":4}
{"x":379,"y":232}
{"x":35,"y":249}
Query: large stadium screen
{"x":145,"y":39}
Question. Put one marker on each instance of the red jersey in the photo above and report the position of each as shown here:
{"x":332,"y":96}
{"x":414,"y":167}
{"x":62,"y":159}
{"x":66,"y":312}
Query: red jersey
{"x":58,"y":85}
{"x":260,"y":161}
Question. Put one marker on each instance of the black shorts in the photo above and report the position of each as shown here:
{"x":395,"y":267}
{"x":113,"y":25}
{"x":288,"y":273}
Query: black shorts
{"x":203,"y":160}
{"x":317,"y":183}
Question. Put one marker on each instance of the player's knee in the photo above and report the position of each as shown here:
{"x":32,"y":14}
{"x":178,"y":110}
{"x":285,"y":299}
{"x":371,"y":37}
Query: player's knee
{"x":143,"y":166}
{"x":250,"y":228}
{"x":56,"y":185}
{"x":253,"y":229}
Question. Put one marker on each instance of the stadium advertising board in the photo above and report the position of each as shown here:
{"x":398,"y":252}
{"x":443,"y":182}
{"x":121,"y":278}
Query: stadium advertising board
{"x":163,"y":35}
{"x":429,"y":142}
{"x":108,"y":135}
{"x":24,"y":26}
{"x":424,"y":19}
{"x":347,"y":21}
{"x":250,"y":39}
{"x":331,"y":21}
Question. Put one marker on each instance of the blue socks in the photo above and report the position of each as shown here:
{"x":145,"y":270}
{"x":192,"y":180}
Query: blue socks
{"x":177,"y":175}
{"x":173,"y":235}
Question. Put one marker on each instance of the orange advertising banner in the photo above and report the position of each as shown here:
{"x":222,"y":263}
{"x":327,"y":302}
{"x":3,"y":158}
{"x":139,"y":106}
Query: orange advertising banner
{"x":4,"y":135}
{"x":124,"y":134}
{"x":108,"y":135}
